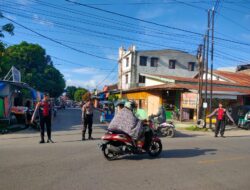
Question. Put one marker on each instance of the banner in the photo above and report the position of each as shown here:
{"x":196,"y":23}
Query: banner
{"x":189,"y":100}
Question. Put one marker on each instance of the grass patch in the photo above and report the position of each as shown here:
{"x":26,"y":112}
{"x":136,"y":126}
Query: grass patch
{"x":195,"y":128}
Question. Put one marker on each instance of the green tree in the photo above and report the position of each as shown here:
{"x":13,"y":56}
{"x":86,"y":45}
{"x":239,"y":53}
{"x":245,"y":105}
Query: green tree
{"x":35,"y":66}
{"x":7,"y":28}
{"x":113,"y":97}
{"x":70,"y":90}
{"x":79,"y":93}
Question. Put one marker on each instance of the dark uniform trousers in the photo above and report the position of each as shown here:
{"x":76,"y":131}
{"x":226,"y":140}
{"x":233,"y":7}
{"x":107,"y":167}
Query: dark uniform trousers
{"x":220,"y":127}
{"x":45,"y":120}
{"x":87,"y":123}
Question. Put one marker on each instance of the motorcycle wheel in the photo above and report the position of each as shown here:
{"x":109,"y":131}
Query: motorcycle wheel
{"x":171,"y":132}
{"x":107,"y":154}
{"x":164,"y":132}
{"x":155,"y":148}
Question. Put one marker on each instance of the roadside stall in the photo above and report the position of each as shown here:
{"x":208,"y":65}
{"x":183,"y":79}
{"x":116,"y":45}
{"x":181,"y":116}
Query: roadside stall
{"x":16,"y":98}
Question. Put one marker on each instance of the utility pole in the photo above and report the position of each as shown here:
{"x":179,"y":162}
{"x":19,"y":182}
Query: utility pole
{"x":203,"y":66}
{"x":199,"y":58}
{"x":120,"y":62}
{"x":207,"y":51}
{"x":212,"y":65}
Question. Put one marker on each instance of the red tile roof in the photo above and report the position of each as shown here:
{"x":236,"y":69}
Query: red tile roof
{"x":172,"y":86}
{"x":235,"y":79}
{"x":239,"y":78}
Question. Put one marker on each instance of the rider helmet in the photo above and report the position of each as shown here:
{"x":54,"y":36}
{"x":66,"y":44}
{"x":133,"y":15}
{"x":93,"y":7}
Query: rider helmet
{"x":131,"y":104}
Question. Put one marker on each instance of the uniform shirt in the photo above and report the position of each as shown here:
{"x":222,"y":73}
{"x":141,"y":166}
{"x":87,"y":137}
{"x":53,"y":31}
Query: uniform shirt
{"x":45,"y":108}
{"x":220,"y":117}
{"x":88,"y":108}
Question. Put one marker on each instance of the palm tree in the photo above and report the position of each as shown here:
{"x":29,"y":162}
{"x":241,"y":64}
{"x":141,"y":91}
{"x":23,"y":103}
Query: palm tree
{"x":9,"y":28}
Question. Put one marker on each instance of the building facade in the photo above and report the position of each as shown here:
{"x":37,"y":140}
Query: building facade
{"x":181,"y":93}
{"x":133,"y":63}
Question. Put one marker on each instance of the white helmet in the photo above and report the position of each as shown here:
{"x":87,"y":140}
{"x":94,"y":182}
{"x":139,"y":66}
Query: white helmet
{"x":130,"y":104}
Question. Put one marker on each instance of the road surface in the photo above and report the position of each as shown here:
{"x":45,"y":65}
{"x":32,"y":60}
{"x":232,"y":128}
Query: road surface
{"x":189,"y":161}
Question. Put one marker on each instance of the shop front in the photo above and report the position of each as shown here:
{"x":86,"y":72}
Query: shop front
{"x":189,"y":103}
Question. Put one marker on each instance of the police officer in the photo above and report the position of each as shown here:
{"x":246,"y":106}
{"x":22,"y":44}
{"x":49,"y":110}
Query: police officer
{"x":87,"y":117}
{"x":220,"y":125}
{"x":45,"y":112}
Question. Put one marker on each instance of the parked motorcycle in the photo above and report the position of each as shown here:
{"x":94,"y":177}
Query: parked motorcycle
{"x":166,"y":129}
{"x":117,"y":143}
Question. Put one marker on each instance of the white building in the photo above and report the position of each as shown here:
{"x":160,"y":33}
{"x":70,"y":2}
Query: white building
{"x":133,"y":63}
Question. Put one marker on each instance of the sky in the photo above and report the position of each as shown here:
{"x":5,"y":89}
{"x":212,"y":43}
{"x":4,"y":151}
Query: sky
{"x":83,"y":42}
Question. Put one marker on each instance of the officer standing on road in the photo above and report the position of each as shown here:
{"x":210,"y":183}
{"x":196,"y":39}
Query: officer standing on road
{"x":87,"y":118}
{"x":45,"y":113}
{"x":220,"y":120}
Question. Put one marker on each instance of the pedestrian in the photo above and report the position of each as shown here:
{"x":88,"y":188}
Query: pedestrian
{"x":220,"y":125}
{"x":44,"y":108}
{"x":87,"y":118}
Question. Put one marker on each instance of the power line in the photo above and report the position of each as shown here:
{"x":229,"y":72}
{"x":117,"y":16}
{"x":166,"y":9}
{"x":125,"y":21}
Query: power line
{"x":67,"y":61}
{"x":118,"y":28}
{"x":72,"y":27}
{"x":51,"y":39}
{"x":106,"y":77}
{"x":153,"y":23}
{"x":62,"y":8}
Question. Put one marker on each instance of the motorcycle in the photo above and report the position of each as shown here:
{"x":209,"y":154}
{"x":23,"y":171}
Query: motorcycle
{"x":166,"y":129}
{"x":117,"y":143}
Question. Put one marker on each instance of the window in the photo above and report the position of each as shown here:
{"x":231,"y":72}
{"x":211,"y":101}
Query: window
{"x":126,"y":79}
{"x":141,"y":79}
{"x":154,"y":62}
{"x":172,"y":64}
{"x":191,"y":66}
{"x":143,"y":60}
{"x":127,"y":61}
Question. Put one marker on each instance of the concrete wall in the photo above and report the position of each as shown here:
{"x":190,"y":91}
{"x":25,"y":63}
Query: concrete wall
{"x":152,"y":100}
{"x":215,"y":77}
{"x":181,"y":67}
{"x":152,"y":82}
{"x":134,"y":68}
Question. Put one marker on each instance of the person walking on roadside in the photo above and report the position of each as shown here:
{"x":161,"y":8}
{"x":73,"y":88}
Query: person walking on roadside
{"x":87,"y":118}
{"x":220,"y":125}
{"x":45,"y":113}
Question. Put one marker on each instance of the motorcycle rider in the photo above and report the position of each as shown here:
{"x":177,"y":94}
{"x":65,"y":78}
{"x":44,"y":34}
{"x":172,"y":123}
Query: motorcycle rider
{"x":126,"y":121}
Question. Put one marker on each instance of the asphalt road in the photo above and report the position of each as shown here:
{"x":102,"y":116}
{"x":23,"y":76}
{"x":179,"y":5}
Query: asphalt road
{"x":189,"y":161}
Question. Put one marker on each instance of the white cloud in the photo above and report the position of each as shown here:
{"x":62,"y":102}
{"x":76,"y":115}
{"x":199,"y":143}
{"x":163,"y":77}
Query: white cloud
{"x":112,"y":56}
{"x":85,"y":70}
{"x":67,"y":75}
{"x":39,"y":20}
{"x":231,"y":69}
{"x":150,"y":13}
{"x":89,"y":84}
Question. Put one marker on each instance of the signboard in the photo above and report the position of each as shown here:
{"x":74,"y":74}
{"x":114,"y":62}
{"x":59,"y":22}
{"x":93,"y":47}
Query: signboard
{"x":16,"y":75}
{"x":189,"y":100}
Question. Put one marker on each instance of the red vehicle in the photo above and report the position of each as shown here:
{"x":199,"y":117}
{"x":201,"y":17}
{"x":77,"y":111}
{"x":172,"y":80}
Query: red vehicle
{"x":117,"y":143}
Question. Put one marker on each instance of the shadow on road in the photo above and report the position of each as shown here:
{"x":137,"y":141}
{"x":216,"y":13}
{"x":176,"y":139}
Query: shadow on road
{"x":180,"y":134}
{"x":177,"y":153}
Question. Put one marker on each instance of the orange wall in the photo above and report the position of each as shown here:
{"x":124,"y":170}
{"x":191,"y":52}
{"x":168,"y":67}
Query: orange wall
{"x":142,"y":95}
